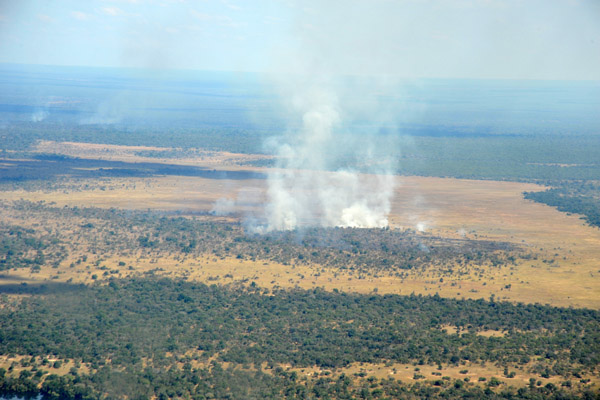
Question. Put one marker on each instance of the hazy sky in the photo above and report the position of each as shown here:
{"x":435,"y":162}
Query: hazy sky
{"x":545,"y":39}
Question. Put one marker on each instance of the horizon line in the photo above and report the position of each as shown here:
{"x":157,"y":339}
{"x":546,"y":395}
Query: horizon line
{"x":279,"y":73}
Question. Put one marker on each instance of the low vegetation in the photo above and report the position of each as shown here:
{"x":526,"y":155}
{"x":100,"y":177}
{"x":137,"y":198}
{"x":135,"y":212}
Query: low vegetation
{"x":24,"y":247}
{"x":154,"y":234}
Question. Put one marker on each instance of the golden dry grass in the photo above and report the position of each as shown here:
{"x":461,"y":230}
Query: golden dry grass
{"x":478,"y":373}
{"x":410,"y":373}
{"x":497,"y":211}
{"x":113,"y":152}
{"x":446,"y":207}
{"x":7,"y":360}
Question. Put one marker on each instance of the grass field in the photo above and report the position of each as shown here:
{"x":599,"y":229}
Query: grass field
{"x":565,"y":273}
{"x":480,"y":374}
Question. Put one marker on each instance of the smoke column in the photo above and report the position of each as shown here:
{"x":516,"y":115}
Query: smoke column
{"x":303,"y":190}
{"x":333,"y":169}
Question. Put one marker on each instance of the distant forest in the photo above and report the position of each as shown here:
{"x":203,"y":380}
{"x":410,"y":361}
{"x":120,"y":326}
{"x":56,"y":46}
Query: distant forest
{"x":531,"y":158}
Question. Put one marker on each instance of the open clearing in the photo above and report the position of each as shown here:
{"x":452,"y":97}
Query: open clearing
{"x":566,"y":273}
{"x":113,"y":152}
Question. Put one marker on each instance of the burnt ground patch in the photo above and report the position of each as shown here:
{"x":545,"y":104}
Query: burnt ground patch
{"x":38,"y":288}
{"x":46,"y":167}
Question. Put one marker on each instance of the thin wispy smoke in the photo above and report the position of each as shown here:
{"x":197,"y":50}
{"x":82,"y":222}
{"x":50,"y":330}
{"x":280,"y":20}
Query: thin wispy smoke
{"x":39,"y":116}
{"x":223,"y":206}
{"x":108,"y":112}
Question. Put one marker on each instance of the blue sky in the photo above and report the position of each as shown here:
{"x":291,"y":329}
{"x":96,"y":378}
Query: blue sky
{"x":530,"y":39}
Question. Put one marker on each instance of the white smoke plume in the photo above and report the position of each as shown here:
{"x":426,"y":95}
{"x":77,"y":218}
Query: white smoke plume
{"x":308,"y":189}
{"x":39,"y":116}
{"x":334,"y":169}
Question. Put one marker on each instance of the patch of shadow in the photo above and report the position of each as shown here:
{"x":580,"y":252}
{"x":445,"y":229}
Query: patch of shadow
{"x":40,"y":288}
{"x":48,"y":166}
{"x":5,"y":277}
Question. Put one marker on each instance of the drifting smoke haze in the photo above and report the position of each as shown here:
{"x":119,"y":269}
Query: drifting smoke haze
{"x":39,"y":116}
{"x":312,"y":184}
{"x":223,"y":206}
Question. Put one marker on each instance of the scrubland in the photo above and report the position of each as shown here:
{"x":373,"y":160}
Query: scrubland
{"x":451,"y":244}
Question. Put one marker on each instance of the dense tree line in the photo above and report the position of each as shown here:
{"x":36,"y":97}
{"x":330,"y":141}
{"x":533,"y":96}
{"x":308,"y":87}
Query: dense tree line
{"x":128,"y":320}
{"x":23,"y":135}
{"x":526,"y":157}
{"x":115,"y":327}
{"x":573,"y":197}
{"x":24,"y":247}
{"x":216,"y":382}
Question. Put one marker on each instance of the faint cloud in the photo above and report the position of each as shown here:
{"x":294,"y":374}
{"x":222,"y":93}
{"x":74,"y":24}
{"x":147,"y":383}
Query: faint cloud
{"x":45,"y":18}
{"x":475,"y":3}
{"x":194,"y":28}
{"x":117,"y":12}
{"x":309,"y":10}
{"x":113,"y":11}
{"x":444,"y":37}
{"x":222,"y":20}
{"x":231,"y":6}
{"x":2,"y":18}
{"x":201,"y":16}
{"x":272,"y":20}
{"x":168,"y":3}
{"x":81,"y":16}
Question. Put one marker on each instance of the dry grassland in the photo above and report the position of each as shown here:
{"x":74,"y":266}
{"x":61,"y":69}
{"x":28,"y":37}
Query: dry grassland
{"x":477,"y":373}
{"x":14,"y":361}
{"x":110,"y":152}
{"x":487,"y":210}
